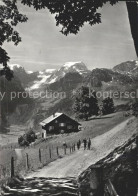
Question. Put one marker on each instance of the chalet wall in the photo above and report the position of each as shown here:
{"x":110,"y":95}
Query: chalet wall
{"x":62,"y":124}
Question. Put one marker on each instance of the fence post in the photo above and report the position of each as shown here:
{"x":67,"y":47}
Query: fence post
{"x":27,"y":161}
{"x":50,"y":152}
{"x":57,"y":151}
{"x":96,"y":175}
{"x":40,"y":155}
{"x":12,"y":167}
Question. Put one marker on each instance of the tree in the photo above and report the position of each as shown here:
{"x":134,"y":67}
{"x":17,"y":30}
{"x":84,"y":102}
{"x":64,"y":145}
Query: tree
{"x":94,"y":108}
{"x":108,"y":106}
{"x":9,"y":18}
{"x":27,"y":138}
{"x":85,"y":104}
{"x":72,"y":14}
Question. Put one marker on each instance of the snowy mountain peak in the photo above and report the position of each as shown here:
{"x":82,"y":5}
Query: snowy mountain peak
{"x":29,"y":72}
{"x":79,"y":64}
{"x":68,"y":67}
{"x":50,"y":70}
{"x":41,"y":72}
{"x":36,"y":80}
{"x":14,"y":66}
{"x":74,"y":66}
{"x":70,"y":64}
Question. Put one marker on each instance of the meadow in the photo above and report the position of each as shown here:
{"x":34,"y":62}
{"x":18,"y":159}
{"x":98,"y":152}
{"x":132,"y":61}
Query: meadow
{"x":43,"y":151}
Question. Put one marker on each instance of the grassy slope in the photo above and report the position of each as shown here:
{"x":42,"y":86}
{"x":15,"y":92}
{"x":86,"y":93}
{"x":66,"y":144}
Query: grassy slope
{"x":91,"y":129}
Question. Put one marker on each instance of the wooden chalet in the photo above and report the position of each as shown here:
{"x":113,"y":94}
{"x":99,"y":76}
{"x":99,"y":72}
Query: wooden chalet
{"x":59,"y":123}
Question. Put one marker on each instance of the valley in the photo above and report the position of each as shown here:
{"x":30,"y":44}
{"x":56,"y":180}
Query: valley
{"x":68,"y":98}
{"x":107,"y":132}
{"x":67,"y":79}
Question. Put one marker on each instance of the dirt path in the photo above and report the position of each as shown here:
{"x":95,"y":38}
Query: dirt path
{"x":74,"y":164}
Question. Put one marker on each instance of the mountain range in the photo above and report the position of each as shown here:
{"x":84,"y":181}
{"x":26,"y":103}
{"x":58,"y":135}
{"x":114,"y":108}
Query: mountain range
{"x":71,"y":75}
{"x":35,"y":80}
{"x":124,"y":73}
{"x":67,"y":78}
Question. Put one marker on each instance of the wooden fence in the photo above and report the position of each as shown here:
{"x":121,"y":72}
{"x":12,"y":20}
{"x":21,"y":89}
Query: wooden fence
{"x":31,"y":158}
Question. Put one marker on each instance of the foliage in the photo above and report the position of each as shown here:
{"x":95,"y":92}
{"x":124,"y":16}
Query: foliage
{"x":27,"y":138}
{"x":108,"y":106}
{"x":3,"y":60}
{"x":71,"y":14}
{"x":86,"y":103}
{"x":9,"y":18}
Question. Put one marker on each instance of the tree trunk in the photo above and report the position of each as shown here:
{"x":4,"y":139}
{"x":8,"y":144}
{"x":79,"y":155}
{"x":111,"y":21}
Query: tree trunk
{"x":132,"y":8}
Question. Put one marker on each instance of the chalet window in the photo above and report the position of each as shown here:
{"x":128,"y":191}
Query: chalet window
{"x":69,"y":126}
{"x":62,"y":124}
{"x":51,"y":128}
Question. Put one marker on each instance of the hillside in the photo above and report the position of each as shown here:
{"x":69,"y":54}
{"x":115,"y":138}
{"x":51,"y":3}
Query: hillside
{"x":69,"y":82}
{"x":11,"y":98}
{"x":66,"y":80}
{"x":102,"y":145}
{"x":126,"y":67}
{"x":24,"y":77}
{"x":69,"y":67}
{"x":119,"y":168}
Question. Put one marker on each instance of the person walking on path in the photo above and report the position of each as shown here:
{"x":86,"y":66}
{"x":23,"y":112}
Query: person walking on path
{"x":79,"y":144}
{"x":89,"y":144}
{"x":64,"y":145}
{"x":85,"y":143}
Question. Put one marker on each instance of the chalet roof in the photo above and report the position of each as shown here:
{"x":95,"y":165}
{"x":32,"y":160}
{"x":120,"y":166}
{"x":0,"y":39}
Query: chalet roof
{"x":53,"y":117}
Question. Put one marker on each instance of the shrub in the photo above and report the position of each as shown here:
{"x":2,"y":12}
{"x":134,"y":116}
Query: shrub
{"x":27,"y":138}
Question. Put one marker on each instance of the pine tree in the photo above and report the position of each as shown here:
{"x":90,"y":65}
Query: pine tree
{"x":85,"y":104}
{"x":94,"y":108}
{"x":108,"y":106}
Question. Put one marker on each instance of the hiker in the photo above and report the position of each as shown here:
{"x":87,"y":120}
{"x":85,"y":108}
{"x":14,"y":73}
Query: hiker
{"x":89,"y":144}
{"x":64,"y":145}
{"x":74,"y":147}
{"x":79,"y":144}
{"x":85,"y":143}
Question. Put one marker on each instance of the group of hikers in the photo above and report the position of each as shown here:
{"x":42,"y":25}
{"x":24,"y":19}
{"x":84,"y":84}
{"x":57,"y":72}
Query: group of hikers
{"x":86,"y":144}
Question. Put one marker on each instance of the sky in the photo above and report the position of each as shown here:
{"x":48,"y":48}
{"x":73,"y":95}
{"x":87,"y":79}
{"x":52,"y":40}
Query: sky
{"x":102,"y":45}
